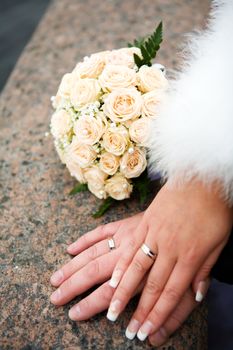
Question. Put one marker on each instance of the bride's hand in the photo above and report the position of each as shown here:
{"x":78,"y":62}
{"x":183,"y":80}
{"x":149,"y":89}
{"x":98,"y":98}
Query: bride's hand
{"x":187,"y":228}
{"x":94,"y":262}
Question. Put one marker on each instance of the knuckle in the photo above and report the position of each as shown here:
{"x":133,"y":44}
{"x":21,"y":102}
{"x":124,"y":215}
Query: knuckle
{"x":141,"y":312}
{"x":191,"y":256}
{"x":176,"y":321}
{"x":107,"y":294}
{"x":124,"y":292}
{"x":93,"y":269}
{"x":92,"y":252}
{"x":156,"y":314}
{"x":171,"y":294}
{"x":206,"y":269}
{"x":138,"y":266}
{"x":131,"y":244}
{"x":153,"y":287}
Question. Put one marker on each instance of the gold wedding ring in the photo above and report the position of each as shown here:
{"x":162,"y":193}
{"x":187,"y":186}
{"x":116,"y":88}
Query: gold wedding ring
{"x":146,"y":250}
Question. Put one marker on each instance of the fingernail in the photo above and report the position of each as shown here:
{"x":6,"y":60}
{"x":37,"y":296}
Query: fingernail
{"x":114,"y":310}
{"x":132,"y":329}
{"x":57,"y":277}
{"x":159,"y":337}
{"x":75,"y":313}
{"x":145,"y":330}
{"x":55,"y":297}
{"x":116,"y":277}
{"x":71,"y":247}
{"x":201,"y":291}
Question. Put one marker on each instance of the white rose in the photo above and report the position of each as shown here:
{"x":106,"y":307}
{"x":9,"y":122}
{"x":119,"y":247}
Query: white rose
{"x":123,"y":57}
{"x":89,"y":129}
{"x":75,"y":170}
{"x":139,"y":131}
{"x":60,"y":123}
{"x":123,"y":104}
{"x":114,"y":77}
{"x":84,"y":91}
{"x":118,"y":187}
{"x":91,"y":67}
{"x":151,"y":78}
{"x":109,"y":163}
{"x":115,"y":140}
{"x":132,"y":164}
{"x":96,"y":181}
{"x":82,"y":154}
{"x":151,"y":101}
{"x":65,"y":86}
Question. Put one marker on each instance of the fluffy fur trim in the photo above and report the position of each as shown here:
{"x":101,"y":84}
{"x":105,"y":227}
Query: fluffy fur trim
{"x":193,"y":134}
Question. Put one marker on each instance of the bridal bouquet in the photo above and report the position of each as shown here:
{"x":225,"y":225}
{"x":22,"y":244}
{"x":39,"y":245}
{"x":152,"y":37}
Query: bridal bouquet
{"x":101,"y":120}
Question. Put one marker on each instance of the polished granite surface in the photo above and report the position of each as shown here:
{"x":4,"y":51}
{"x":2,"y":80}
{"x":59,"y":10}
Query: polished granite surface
{"x":37,"y":217}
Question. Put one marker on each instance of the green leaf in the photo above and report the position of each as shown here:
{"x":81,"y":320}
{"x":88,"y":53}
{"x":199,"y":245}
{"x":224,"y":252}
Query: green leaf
{"x":142,"y":185}
{"x":108,"y":202}
{"x":149,"y":47}
{"x":78,"y":188}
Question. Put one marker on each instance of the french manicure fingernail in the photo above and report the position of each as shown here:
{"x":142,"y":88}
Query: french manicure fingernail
{"x":132,"y":329}
{"x":57,"y":277}
{"x":114,"y":310}
{"x":116,"y":277}
{"x":144,"y":331}
{"x":75,"y":313}
{"x":201,"y":291}
{"x":55,"y":297}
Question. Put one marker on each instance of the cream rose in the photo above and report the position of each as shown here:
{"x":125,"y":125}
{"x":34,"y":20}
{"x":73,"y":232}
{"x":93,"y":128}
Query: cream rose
{"x":60,"y":123}
{"x":139,"y":131}
{"x":115,"y":77}
{"x":123,"y":57}
{"x":123,"y":104}
{"x":132,"y":164}
{"x":109,"y":163}
{"x":82,"y":154}
{"x":151,"y":78}
{"x":91,"y":67}
{"x":84,"y":91}
{"x":89,"y":129}
{"x":65,"y":86}
{"x":75,"y":170}
{"x":115,"y":140}
{"x":151,"y":101}
{"x":96,"y":181}
{"x":118,"y":187}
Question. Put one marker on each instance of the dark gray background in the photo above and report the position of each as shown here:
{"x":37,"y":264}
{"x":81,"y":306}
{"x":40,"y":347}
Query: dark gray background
{"x":18,"y":20}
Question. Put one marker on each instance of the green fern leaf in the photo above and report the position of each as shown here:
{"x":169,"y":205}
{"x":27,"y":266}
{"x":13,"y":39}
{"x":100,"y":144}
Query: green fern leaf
{"x":149,"y":47}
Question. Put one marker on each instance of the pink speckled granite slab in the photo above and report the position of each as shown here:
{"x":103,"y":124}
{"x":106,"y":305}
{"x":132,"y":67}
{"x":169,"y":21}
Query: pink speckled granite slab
{"x":37,"y":217}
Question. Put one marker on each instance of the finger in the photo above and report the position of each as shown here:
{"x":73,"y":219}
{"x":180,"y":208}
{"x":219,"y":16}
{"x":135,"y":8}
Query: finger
{"x":201,"y":281}
{"x":175,"y":320}
{"x":130,"y":250}
{"x":78,"y":262}
{"x":95,"y":302}
{"x":154,"y":286}
{"x":96,"y":271}
{"x":92,"y":237}
{"x":139,"y":266}
{"x":179,"y":281}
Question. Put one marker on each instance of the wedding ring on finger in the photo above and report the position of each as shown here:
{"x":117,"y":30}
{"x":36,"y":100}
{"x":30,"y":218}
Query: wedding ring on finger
{"x":111,"y":244}
{"x":146,"y":250}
